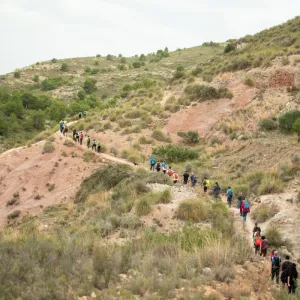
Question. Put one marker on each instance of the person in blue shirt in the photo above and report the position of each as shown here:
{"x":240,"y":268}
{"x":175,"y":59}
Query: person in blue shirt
{"x":152,"y":163}
{"x":229,"y":196}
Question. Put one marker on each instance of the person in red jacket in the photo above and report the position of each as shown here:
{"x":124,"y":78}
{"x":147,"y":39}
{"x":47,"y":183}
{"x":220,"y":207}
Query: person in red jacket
{"x":245,"y":209}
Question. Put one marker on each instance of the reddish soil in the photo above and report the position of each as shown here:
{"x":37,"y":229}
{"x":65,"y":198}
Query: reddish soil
{"x":27,"y":171}
{"x":204,"y":115}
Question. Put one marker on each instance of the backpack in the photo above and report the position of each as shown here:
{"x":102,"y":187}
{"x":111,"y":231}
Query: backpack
{"x":246,"y":207}
{"x":265,"y":244}
{"x":170,"y":172}
{"x":207,"y":183}
{"x":229,"y":193}
{"x":175,"y":176}
{"x":258,"y":241}
{"x":158,"y":166}
{"x":276,"y":261}
{"x":152,"y":161}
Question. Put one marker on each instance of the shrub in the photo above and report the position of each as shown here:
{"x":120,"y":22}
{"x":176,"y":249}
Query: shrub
{"x":137,"y":64}
{"x":68,"y":143}
{"x":287,"y":120}
{"x":144,"y":140}
{"x":89,"y":85}
{"x":48,"y":147}
{"x":180,"y":68}
{"x":296,"y":128}
{"x":173,"y":153}
{"x":36,"y":78}
{"x":267,"y":124}
{"x":224,"y":274}
{"x":142,"y":207}
{"x":190,"y":137}
{"x":248,"y":81}
{"x":103,"y":179}
{"x":52,"y":83}
{"x":64,"y":67}
{"x":274,"y":236}
{"x":14,"y":214}
{"x":163,"y":196}
{"x":229,"y":47}
{"x":12,"y":201}
{"x":270,"y":184}
{"x":264,"y":212}
{"x":203,"y":92}
{"x":89,"y":156}
{"x":160,"y":136}
{"x":134,"y":114}
{"x":54,"y":60}
{"x":192,"y":210}
{"x":109,"y":57}
{"x":17,"y":74}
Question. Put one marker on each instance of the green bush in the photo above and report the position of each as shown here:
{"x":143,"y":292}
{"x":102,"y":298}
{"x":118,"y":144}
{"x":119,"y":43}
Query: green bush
{"x":137,"y":64}
{"x":203,"y":92}
{"x":192,"y":210}
{"x":52,"y":83}
{"x":109,"y":57}
{"x":180,"y":68}
{"x":190,"y":137}
{"x":296,"y":128}
{"x":264,"y":212}
{"x":17,"y":74}
{"x":229,"y":47}
{"x":144,"y":140}
{"x":287,"y":120}
{"x":64,"y":67}
{"x":89,"y":85}
{"x":160,"y":136}
{"x":54,"y":60}
{"x":248,"y":81}
{"x":267,"y":124}
{"x":36,"y":78}
{"x":48,"y":147}
{"x":173,"y":153}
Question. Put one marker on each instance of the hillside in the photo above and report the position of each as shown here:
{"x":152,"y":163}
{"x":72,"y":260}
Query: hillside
{"x":81,"y":225}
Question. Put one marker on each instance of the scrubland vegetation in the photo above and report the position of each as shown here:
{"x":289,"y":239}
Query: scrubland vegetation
{"x":76,"y":258}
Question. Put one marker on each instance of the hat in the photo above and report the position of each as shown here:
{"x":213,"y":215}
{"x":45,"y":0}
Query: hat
{"x":275,"y":253}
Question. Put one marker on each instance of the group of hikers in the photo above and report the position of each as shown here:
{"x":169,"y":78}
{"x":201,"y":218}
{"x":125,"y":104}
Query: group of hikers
{"x":79,"y":136}
{"x":285,"y":270}
{"x":163,"y":166}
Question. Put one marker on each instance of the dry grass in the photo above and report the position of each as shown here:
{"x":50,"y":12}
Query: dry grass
{"x":193,"y":210}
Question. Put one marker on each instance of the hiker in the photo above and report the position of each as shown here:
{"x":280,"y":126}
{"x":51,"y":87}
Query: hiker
{"x":170,"y":171}
{"x":271,"y":254}
{"x":275,"y":269}
{"x":206,"y":184}
{"x":240,"y":200}
{"x":80,"y":115}
{"x":264,"y":247}
{"x":164,"y":167}
{"x":256,"y":228}
{"x":257,"y":243}
{"x":152,"y":163}
{"x":98,"y":147}
{"x":292,"y":279}
{"x":81,"y":138}
{"x":186,"y":176}
{"x":245,"y":209}
{"x":175,"y":177}
{"x":94,"y":144}
{"x":285,"y":270}
{"x":65,"y":130}
{"x":88,"y":141}
{"x":216,"y":190}
{"x":61,"y":126}
{"x":157,"y":166}
{"x":74,"y":135}
{"x":77,"y":137}
{"x":193,"y":179}
{"x":85,"y":113}
{"x":229,"y":194}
